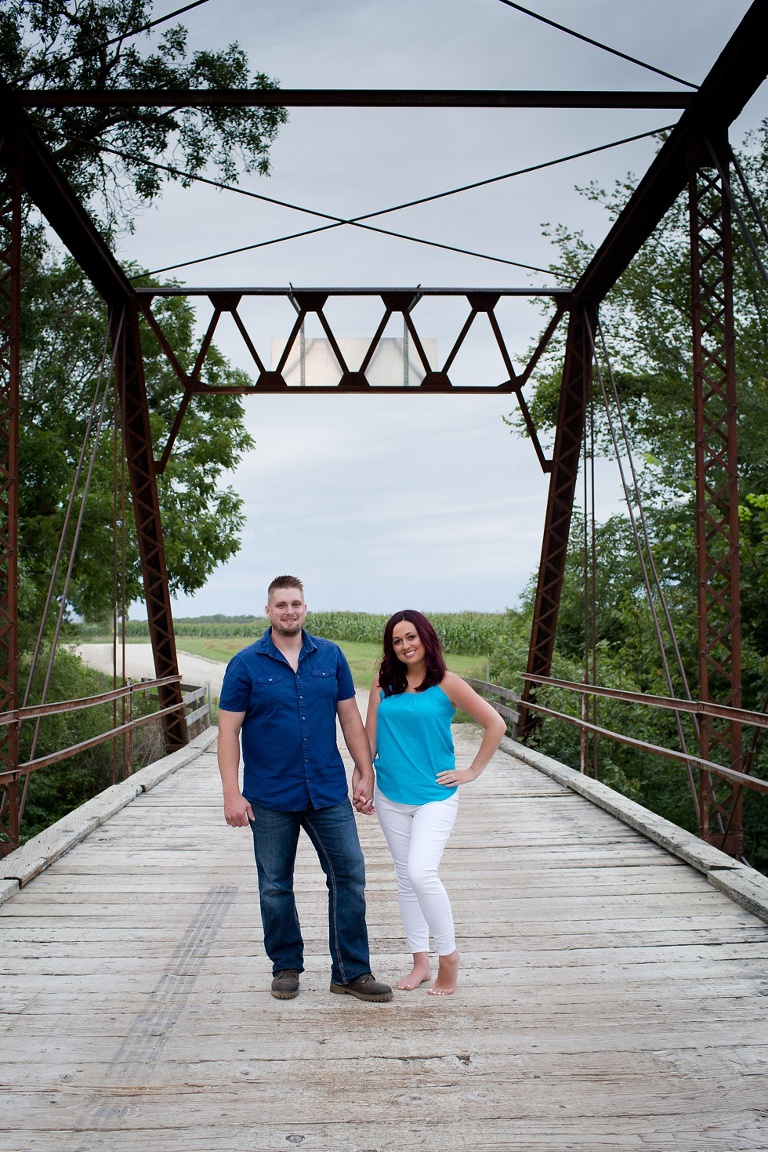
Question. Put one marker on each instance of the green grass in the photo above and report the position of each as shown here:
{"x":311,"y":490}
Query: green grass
{"x":363,"y":658}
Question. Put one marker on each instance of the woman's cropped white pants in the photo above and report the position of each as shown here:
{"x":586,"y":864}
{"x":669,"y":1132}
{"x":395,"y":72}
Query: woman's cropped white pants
{"x":416,"y":835}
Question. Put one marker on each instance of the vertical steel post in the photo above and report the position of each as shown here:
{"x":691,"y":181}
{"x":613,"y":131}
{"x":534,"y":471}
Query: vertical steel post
{"x":129,"y":369}
{"x":574,"y":391}
{"x":717,"y":518}
{"x":10,"y":371}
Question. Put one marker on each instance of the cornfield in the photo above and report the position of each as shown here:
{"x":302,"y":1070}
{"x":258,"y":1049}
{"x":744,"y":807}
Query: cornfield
{"x":463,"y":633}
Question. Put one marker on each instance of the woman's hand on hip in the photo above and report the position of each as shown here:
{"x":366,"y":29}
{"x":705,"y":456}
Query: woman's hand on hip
{"x":456,"y":776}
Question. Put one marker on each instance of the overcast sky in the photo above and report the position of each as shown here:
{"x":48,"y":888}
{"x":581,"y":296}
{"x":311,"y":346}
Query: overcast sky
{"x":429,"y":502}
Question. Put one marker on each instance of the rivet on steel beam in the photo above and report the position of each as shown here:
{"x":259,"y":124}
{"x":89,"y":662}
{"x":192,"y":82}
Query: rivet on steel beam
{"x":483,"y":301}
{"x":311,"y":301}
{"x":353,"y":382}
{"x":436,"y":382}
{"x":400,"y":301}
{"x":271,"y":382}
{"x":225,"y":301}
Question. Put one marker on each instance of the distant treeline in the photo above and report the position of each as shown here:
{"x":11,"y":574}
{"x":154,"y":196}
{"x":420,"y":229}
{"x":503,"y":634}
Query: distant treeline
{"x":464,"y":633}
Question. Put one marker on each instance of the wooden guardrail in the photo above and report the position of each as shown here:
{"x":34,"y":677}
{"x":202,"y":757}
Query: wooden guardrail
{"x":495,"y":694}
{"x":200,"y":717}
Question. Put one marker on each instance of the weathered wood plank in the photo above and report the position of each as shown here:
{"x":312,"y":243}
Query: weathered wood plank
{"x":610,"y":997}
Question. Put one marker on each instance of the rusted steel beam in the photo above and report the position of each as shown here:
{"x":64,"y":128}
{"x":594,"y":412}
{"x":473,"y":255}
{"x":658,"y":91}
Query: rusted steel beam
{"x":129,"y":369}
{"x":10,"y":372}
{"x":34,"y":710}
{"x":735,"y":77}
{"x":481,"y":302}
{"x":164,"y":714}
{"x":728,"y":774}
{"x":717,"y":503}
{"x":403,"y":295}
{"x":574,"y":393}
{"x":272,"y":383}
{"x":49,"y":189}
{"x":349,"y":98}
{"x":673,"y":703}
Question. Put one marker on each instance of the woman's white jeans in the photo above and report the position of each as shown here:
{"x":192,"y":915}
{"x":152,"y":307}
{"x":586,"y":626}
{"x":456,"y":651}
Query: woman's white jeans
{"x":416,"y":835}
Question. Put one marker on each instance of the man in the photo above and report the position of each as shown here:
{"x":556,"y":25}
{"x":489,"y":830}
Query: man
{"x":283,"y":695}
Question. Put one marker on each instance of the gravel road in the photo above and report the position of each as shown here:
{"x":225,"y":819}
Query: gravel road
{"x":195,"y":670}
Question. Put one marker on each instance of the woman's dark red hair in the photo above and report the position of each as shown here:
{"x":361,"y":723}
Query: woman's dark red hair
{"x":393,"y":677}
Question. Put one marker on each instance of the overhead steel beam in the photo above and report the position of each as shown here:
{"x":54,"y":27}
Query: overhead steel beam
{"x":410,"y":292}
{"x":348,"y":98}
{"x":735,"y":77}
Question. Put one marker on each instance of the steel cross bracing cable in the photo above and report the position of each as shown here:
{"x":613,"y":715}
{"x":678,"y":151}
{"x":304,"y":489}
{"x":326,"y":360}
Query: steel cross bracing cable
{"x":78,"y":527}
{"x":65,"y":526}
{"x":359,"y":221}
{"x":597,"y":43}
{"x":646,"y":536}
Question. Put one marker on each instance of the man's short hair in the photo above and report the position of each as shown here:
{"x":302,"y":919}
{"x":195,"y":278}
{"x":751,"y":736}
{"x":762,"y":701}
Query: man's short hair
{"x":285,"y":582}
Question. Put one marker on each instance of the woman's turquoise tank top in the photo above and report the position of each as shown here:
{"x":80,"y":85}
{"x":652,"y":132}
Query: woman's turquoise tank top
{"x":414,"y":743}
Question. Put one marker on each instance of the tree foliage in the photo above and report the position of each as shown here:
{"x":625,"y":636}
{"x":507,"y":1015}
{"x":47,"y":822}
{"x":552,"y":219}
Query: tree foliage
{"x":63,"y":349}
{"x":96,"y":46}
{"x":91,"y":46}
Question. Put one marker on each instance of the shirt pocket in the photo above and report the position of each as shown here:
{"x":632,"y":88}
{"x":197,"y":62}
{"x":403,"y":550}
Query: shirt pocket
{"x":323,"y":682}
{"x":271,"y":688}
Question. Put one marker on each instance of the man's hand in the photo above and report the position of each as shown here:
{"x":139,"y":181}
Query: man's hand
{"x":237,"y":811}
{"x":362,"y":791}
{"x":360,"y":751}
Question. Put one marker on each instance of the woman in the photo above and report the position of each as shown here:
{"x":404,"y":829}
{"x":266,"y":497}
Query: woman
{"x":412,"y":703}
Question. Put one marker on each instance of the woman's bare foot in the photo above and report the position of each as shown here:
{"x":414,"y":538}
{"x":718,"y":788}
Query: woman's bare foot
{"x":447,"y":976}
{"x":419,"y":974}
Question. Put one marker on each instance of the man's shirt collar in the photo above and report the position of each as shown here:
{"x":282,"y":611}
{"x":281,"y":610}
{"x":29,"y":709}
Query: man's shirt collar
{"x":267,"y":646}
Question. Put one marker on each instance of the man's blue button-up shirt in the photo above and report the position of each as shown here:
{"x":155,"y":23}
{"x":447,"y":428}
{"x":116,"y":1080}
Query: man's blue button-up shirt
{"x":290,"y":755}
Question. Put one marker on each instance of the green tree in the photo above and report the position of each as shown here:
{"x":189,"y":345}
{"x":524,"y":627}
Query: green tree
{"x":106,"y":152}
{"x":63,"y":343}
{"x":92,"y":46}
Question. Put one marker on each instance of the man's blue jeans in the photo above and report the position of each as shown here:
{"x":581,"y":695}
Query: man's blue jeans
{"x":334,"y":835}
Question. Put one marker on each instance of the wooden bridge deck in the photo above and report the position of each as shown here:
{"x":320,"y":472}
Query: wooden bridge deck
{"x":610,"y":997}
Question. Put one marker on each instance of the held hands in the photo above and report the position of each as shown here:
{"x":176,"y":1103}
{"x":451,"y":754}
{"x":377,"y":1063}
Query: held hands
{"x":362,"y":792}
{"x":454,"y":777}
{"x":237,"y":812}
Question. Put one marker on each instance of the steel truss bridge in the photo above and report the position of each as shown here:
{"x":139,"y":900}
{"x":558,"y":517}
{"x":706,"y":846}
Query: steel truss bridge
{"x":695,"y":157}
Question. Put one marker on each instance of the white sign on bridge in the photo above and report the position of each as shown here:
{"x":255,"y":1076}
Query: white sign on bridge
{"x":312,"y":362}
